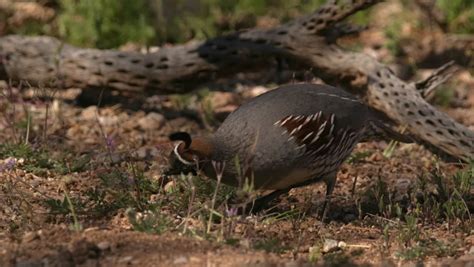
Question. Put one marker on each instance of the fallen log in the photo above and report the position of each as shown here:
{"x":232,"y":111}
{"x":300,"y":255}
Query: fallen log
{"x":310,"y":41}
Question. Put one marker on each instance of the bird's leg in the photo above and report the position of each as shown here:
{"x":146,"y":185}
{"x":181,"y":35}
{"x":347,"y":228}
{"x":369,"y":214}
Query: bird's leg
{"x":261,"y":202}
{"x":330,"y":182}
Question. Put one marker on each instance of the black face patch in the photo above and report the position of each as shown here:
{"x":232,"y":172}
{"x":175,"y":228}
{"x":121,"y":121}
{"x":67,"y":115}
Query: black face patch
{"x":178,"y":164}
{"x":181,"y":136}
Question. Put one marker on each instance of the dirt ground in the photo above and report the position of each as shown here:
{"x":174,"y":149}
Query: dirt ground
{"x":116,"y":137}
{"x":81,"y":184}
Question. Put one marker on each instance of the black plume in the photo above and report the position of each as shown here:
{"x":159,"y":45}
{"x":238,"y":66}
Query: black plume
{"x":181,"y":136}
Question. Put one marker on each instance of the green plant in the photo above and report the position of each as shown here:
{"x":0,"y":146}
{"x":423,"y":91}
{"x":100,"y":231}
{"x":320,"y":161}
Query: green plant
{"x":35,"y":160}
{"x":384,"y":199}
{"x":76,"y":226}
{"x":388,"y":151}
{"x":393,"y":34}
{"x":315,"y":253}
{"x":153,"y":221}
{"x":459,"y":15}
{"x":207,"y":108}
{"x":286,"y":215}
{"x":62,"y":207}
{"x":120,"y":189}
{"x":427,"y":248}
{"x":443,"y":96}
{"x":104,"y":23}
{"x":449,"y":203}
{"x":409,"y":231}
{"x":358,"y":156}
{"x":214,"y":17}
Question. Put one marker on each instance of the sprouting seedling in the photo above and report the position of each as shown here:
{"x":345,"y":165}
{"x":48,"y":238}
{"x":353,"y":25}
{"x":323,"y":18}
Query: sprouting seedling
{"x":190,"y":206}
{"x":388,"y":152}
{"x":219,"y":169}
{"x":110,"y":143}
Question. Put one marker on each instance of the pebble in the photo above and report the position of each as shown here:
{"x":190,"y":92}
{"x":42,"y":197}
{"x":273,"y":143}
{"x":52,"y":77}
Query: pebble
{"x":180,"y":260}
{"x":91,"y":229}
{"x":30,"y":236}
{"x":331,"y":245}
{"x":89,"y":113}
{"x":341,"y":244}
{"x":244,"y":243}
{"x":195,"y":259}
{"x":255,"y":91}
{"x":104,"y":245}
{"x":152,"y":121}
{"x":376,"y":157}
{"x":222,"y":99}
{"x":125,"y":259}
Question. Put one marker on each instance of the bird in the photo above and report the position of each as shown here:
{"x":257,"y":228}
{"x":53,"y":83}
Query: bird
{"x":288,"y":137}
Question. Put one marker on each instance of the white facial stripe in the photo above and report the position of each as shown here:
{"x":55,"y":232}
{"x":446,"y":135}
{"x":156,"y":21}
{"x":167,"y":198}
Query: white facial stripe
{"x":175,"y":150}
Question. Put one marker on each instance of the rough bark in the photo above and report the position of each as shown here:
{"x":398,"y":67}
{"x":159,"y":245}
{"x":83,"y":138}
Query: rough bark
{"x":41,"y":60}
{"x":309,"y":41}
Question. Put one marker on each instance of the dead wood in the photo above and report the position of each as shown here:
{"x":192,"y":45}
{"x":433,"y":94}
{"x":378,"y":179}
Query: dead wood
{"x":309,"y":41}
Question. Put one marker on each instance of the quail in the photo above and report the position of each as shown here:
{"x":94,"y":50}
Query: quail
{"x":289,"y":137}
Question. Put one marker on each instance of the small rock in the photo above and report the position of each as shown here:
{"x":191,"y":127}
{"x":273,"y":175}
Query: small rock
{"x":469,"y":239}
{"x":255,"y":91}
{"x":180,"y":260}
{"x":30,"y":236}
{"x":91,"y":229}
{"x":244,"y":243}
{"x":222,"y":99}
{"x":376,"y":157}
{"x":330,"y":245}
{"x":110,"y":120}
{"x":104,"y":245}
{"x":135,"y":262}
{"x":195,"y":259}
{"x":152,"y":121}
{"x":341,"y":244}
{"x":125,"y":259}
{"x":89,"y":113}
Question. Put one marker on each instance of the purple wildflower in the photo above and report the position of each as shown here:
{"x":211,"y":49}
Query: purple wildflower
{"x":130,"y":180}
{"x":8,"y":165}
{"x":231,"y":212}
{"x":110,"y":142}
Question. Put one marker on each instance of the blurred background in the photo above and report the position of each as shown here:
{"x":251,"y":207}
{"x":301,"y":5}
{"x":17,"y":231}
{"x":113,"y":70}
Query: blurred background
{"x":112,"y":23}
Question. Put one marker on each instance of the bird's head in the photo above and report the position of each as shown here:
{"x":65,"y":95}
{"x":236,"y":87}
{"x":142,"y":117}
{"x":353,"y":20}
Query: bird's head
{"x":188,"y":154}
